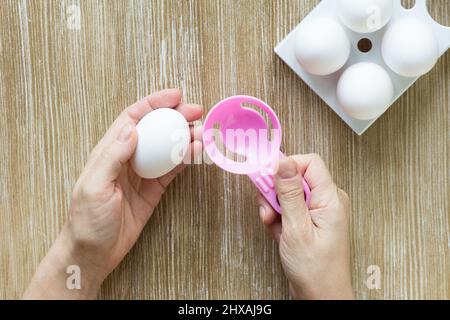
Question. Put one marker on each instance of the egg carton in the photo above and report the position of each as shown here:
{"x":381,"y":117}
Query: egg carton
{"x":325,"y":86}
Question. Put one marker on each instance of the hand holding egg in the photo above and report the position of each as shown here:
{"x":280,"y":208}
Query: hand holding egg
{"x":111,"y":203}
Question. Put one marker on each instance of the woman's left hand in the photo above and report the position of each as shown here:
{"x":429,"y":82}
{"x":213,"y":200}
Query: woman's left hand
{"x":110,"y":205}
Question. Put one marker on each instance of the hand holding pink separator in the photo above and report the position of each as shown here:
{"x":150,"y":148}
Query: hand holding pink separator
{"x":244,"y":132}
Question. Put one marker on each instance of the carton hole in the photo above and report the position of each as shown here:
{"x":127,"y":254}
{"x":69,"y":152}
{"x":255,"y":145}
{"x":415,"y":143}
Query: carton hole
{"x":408,"y":4}
{"x":365,"y":45}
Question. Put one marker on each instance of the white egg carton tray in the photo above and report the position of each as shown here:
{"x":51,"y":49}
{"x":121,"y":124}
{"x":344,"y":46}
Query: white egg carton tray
{"x":325,"y":86}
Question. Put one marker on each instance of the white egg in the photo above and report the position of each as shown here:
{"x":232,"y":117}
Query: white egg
{"x":410,"y":48}
{"x":163,"y":140}
{"x":365,"y":90}
{"x":321,"y":46}
{"x":365,"y":16}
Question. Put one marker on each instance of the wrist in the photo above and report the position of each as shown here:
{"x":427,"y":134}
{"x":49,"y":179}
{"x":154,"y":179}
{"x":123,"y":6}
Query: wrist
{"x":344,"y":292}
{"x":73,"y":253}
{"x":66,"y":272}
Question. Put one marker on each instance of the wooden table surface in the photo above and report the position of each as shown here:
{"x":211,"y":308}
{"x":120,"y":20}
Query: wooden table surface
{"x":60,"y":89}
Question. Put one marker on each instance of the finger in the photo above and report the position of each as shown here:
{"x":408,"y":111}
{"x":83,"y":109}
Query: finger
{"x":269,"y":217}
{"x":289,"y":187}
{"x":196,"y":132}
{"x":196,"y":151}
{"x":275,"y":230}
{"x":313,"y":169}
{"x":191,"y":112}
{"x":108,"y":163}
{"x":318,"y":177}
{"x":266,"y":212}
{"x":169,"y":98}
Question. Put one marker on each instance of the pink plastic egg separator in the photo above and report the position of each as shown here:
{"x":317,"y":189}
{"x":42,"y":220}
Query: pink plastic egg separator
{"x":251,"y":144}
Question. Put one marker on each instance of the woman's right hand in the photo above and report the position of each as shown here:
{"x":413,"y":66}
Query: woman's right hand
{"x":313,"y":242}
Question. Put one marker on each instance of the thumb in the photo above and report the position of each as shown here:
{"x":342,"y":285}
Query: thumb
{"x":289,"y":186}
{"x":114,"y":155}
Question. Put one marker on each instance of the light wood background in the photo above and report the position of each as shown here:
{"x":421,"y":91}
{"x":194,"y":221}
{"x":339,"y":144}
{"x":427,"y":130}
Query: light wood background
{"x":60,"y":89}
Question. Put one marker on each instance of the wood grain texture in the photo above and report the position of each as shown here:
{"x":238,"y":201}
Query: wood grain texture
{"x":60,"y":89}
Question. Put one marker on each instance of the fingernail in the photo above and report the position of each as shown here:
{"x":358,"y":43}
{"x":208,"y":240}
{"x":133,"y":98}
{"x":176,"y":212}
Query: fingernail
{"x":287,"y":169}
{"x":262,"y":213}
{"x":125,"y":133}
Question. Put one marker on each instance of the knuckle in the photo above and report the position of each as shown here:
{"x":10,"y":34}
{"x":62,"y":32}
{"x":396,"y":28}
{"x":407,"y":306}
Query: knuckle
{"x":106,"y":154}
{"x":86,"y":192}
{"x":297,"y":235}
{"x":290,"y":193}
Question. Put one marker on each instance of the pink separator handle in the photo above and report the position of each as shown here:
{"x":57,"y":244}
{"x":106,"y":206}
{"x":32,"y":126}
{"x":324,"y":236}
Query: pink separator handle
{"x":265,"y":183}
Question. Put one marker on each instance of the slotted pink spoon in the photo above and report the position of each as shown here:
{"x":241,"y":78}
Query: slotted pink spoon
{"x":244,"y":132}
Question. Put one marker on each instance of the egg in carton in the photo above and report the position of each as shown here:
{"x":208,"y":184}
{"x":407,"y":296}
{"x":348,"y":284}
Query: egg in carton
{"x":360,"y":56}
